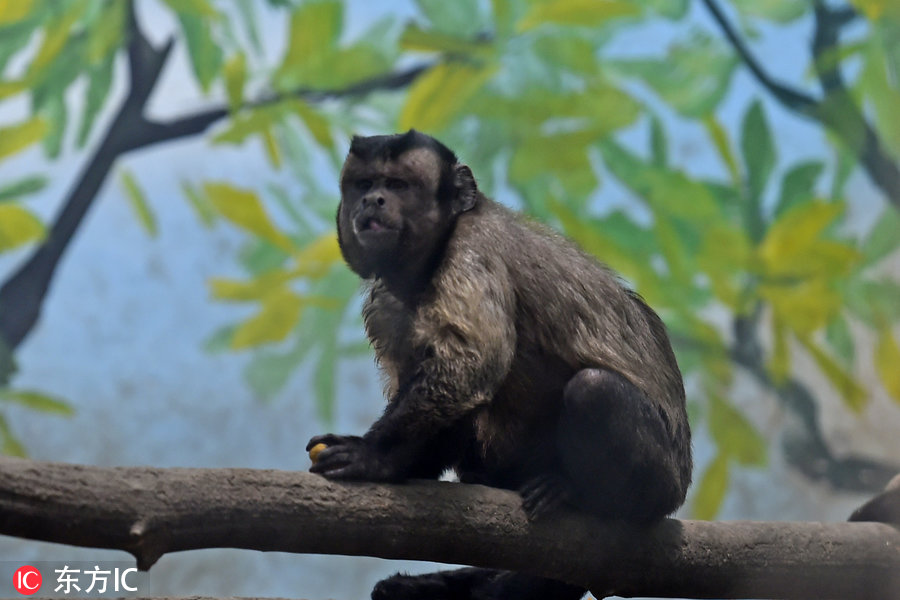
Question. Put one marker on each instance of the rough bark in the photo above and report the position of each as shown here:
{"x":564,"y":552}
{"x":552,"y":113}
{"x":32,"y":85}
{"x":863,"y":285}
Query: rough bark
{"x":149,"y":512}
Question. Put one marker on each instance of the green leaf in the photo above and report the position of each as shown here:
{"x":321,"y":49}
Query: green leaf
{"x":235,"y":76}
{"x":324,"y":379}
{"x":249,"y":21}
{"x":12,"y":11}
{"x":887,"y":363}
{"x":99,"y":84}
{"x":853,"y":394}
{"x":197,"y":8}
{"x":884,"y":239}
{"x":205,"y":54}
{"x":107,"y":33}
{"x":780,"y":11}
{"x":875,"y":302}
{"x":837,"y":334}
{"x":314,"y":30}
{"x":428,"y":105}
{"x":54,"y":111}
{"x":138,"y":202}
{"x":798,"y":186}
{"x":693,"y":78}
{"x":56,"y":34}
{"x":711,"y":490}
{"x":244,"y":209}
{"x":723,"y":145}
{"x":587,"y":13}
{"x":200,"y":203}
{"x":758,"y":150}
{"x":417,"y":39}
{"x":268,"y":372}
{"x":734,"y":435}
{"x":317,"y":125}
{"x":22,"y":187}
{"x":37,"y":401}
{"x":279,"y":314}
{"x":18,"y":137}
{"x":221,"y":340}
{"x":670,"y":9}
{"x":18,"y":227}
{"x":10,"y":445}
{"x":460,"y":17}
{"x":659,"y":148}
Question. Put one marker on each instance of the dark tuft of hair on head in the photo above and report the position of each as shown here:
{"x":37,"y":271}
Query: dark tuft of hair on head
{"x":390,"y":147}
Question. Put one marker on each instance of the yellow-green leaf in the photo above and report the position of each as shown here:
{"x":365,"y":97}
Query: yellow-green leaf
{"x":55,"y":36}
{"x":793,"y":246}
{"x":15,"y":138}
{"x":37,"y":401}
{"x":107,"y":33}
{"x":711,"y":489}
{"x":138,"y":202}
{"x":429,"y":107}
{"x":589,"y":13}
{"x":278,"y":316}
{"x":316,"y":259}
{"x":723,"y":145}
{"x":235,"y":70}
{"x":271,"y":146}
{"x":11,"y":88}
{"x":887,"y":362}
{"x":14,"y":10}
{"x":9,"y":443}
{"x":315,"y":122}
{"x":244,"y":209}
{"x":853,"y":394}
{"x":200,"y":203}
{"x":254,"y":289}
{"x":805,"y":306}
{"x":18,"y":226}
{"x":199,"y":8}
{"x":733,"y":433}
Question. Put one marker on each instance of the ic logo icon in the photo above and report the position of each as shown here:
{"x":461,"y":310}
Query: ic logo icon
{"x":27,"y":580}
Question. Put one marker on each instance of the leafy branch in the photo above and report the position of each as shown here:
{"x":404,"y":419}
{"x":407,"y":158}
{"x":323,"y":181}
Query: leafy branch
{"x":836,"y":110}
{"x":22,"y":294}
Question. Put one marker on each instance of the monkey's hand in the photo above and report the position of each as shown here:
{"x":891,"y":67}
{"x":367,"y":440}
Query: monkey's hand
{"x":351,"y":457}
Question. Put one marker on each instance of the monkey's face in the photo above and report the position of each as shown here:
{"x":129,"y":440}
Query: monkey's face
{"x":391,"y":213}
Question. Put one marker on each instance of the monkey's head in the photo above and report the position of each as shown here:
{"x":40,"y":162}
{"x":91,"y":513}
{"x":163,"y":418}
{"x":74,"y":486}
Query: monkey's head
{"x":400,"y":197}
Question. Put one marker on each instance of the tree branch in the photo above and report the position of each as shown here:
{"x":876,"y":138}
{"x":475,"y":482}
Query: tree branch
{"x":837,"y":111}
{"x":794,"y":99}
{"x":805,"y":447}
{"x":149,"y":512}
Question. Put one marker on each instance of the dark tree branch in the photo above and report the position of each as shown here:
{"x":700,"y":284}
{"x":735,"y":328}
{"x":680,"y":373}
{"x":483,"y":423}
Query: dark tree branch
{"x":837,"y":111}
{"x":149,"y":512}
{"x":794,"y":99}
{"x":22,"y":294}
{"x":189,"y":125}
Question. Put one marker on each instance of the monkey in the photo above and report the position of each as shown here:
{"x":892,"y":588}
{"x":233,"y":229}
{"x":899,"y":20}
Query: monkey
{"x":510,"y":356}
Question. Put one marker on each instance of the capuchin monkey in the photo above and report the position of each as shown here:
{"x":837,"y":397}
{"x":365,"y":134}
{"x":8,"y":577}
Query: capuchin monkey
{"x":511,"y":357}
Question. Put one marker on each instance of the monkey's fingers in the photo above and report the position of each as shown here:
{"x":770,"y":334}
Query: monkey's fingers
{"x":333,"y":460}
{"x":329,"y":439}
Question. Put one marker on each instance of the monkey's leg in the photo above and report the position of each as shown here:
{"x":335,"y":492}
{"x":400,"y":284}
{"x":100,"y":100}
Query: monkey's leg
{"x":617,"y":454}
{"x":474,"y":584}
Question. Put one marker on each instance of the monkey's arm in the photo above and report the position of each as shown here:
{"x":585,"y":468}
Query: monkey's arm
{"x":464,"y":343}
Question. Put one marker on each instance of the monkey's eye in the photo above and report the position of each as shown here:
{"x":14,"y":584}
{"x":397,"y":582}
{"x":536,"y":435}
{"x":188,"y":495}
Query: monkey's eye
{"x":395,"y":184}
{"x":363,"y":185}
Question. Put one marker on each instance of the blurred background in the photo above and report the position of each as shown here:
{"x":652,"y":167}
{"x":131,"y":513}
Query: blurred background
{"x":171,"y":292}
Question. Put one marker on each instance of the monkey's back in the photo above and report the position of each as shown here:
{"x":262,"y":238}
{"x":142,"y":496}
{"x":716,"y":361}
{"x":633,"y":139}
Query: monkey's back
{"x":572,"y":312}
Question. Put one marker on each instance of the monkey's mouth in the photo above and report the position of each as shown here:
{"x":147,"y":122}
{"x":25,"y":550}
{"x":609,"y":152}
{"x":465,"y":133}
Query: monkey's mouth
{"x":372,"y":227}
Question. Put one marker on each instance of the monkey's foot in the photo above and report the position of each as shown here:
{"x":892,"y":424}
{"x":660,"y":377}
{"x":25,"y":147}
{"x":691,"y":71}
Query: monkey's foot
{"x":544,"y":494}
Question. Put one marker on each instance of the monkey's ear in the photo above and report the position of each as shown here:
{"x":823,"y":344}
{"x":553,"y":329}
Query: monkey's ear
{"x":466,"y":188}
